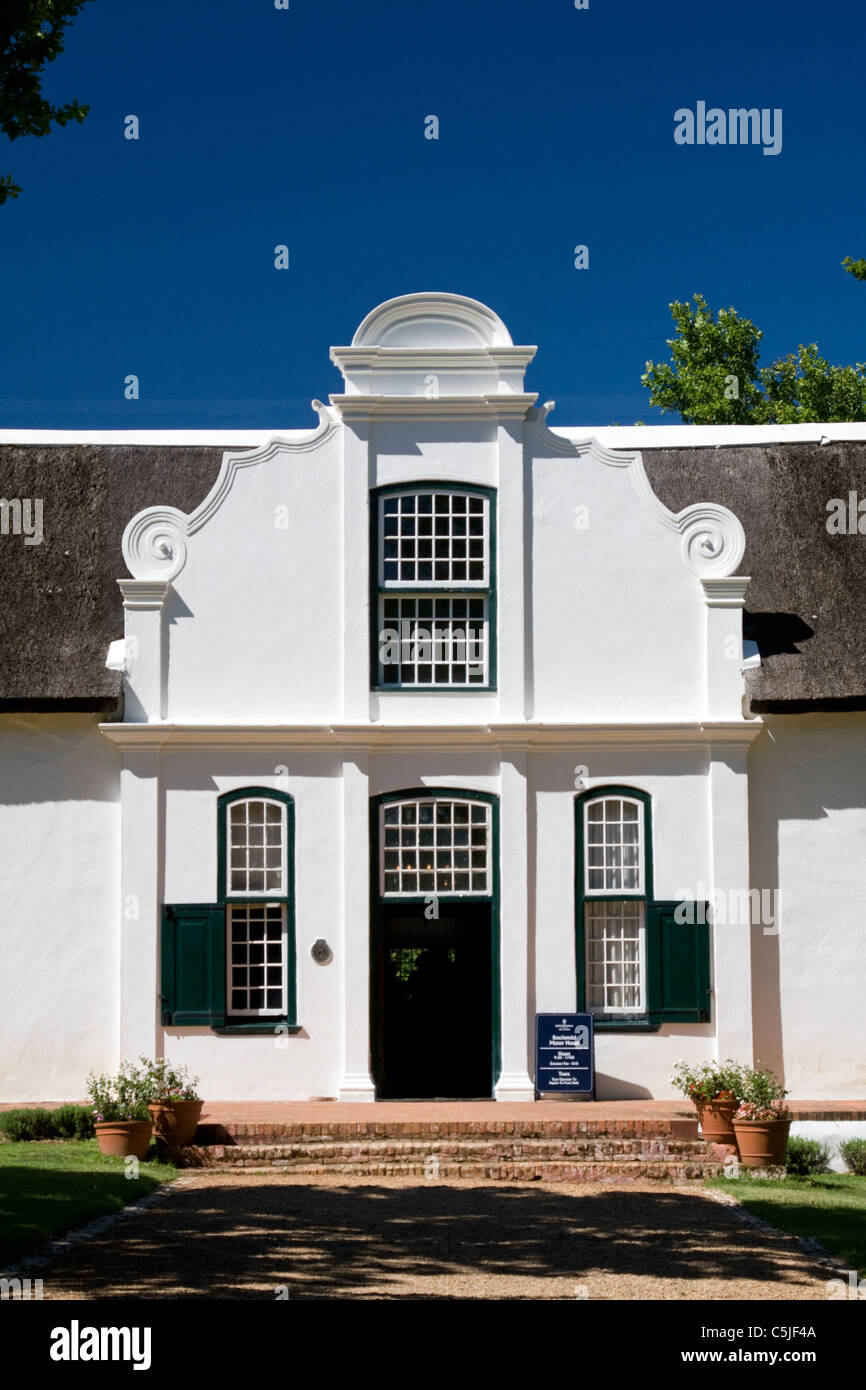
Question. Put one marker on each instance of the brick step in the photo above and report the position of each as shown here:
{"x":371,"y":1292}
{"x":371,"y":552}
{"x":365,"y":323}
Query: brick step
{"x":479,"y":1148}
{"x":273,"y":1157}
{"x":234,"y":1132}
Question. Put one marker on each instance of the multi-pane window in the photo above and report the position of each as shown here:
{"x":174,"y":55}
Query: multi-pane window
{"x":256,"y":844}
{"x":257,"y":958}
{"x":256,"y":888}
{"x":614,"y":884}
{"x":435,"y":595}
{"x":435,"y":845}
{"x":613,"y":846}
{"x":616,"y":964}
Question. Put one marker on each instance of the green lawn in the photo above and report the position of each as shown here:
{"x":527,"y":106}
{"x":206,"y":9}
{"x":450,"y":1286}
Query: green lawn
{"x":47,"y":1189}
{"x":830,"y":1208}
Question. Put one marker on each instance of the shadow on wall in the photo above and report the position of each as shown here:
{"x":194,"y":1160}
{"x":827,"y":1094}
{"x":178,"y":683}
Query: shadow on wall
{"x":614,"y":1088}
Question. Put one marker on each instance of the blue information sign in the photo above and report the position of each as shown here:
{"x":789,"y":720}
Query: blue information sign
{"x":564,"y":1058}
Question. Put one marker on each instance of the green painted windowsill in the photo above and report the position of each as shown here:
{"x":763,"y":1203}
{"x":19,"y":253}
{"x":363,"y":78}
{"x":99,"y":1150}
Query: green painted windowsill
{"x":433,"y":689}
{"x":277,"y":1027}
{"x":613,"y":1025}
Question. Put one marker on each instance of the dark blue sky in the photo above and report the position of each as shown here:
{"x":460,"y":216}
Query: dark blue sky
{"x":306,"y":127}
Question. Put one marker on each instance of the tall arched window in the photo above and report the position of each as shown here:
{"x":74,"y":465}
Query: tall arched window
{"x":255,"y":869}
{"x":433,"y":609}
{"x":614,"y":886}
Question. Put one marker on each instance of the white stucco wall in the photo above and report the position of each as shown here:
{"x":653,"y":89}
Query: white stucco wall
{"x":808,"y":839}
{"x":60,"y":907}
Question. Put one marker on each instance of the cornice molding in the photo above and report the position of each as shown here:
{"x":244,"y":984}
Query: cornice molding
{"x":521,"y":737}
{"x":727,"y":592}
{"x":485,"y":407}
{"x":154,"y":542}
{"x":419,"y":357}
{"x":144,"y":593}
{"x":712,"y":539}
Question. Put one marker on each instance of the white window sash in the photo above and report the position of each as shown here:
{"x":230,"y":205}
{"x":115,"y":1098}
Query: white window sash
{"x":240,"y":894}
{"x":264,"y":1012}
{"x":614,"y":1011}
{"x":605,"y":892}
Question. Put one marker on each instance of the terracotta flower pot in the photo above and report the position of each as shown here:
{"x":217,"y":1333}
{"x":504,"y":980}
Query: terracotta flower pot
{"x":124,"y":1138}
{"x":762,"y":1143}
{"x":176,"y":1121}
{"x":716,"y":1118}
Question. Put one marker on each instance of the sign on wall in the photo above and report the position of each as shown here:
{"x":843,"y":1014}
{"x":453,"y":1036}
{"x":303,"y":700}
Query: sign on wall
{"x":564,"y":1055}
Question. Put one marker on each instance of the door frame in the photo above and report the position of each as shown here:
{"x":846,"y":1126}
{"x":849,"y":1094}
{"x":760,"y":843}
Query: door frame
{"x":376,"y":934}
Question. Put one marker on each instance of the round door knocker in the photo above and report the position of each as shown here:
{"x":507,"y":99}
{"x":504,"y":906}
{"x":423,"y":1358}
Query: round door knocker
{"x":321,"y":952}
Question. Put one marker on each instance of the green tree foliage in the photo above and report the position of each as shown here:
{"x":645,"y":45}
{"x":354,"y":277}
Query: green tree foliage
{"x":31,"y":35}
{"x":855,"y":268}
{"x":714,"y":377}
{"x":805,"y":386}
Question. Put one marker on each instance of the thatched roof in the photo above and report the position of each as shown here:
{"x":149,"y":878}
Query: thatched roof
{"x":805,"y":604}
{"x":62,"y":605}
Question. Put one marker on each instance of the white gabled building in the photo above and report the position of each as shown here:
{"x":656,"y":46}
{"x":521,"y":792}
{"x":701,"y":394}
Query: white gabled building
{"x":432,"y":718}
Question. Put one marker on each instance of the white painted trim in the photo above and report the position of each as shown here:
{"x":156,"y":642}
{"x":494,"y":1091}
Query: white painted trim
{"x":712,"y":436}
{"x":609,"y":436}
{"x":730,"y":733}
{"x":249,"y":438}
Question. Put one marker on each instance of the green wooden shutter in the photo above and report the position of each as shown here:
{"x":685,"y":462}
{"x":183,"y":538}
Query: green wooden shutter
{"x":193,"y":965}
{"x":678,"y":963}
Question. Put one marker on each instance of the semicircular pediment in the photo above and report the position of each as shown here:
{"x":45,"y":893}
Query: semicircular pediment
{"x":432,"y":320}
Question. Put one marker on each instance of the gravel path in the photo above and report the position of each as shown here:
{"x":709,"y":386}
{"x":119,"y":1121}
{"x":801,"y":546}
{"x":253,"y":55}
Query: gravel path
{"x":269,"y":1235}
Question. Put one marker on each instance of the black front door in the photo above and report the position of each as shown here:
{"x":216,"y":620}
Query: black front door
{"x":435,"y":996}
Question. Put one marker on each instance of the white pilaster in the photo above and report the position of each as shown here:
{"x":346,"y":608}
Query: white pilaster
{"x":514,"y":1081}
{"x":139,"y":917}
{"x":725,"y":600}
{"x":356,"y":578}
{"x":145,"y":684}
{"x":511,"y":572}
{"x":356,"y":1082}
{"x":732,"y":947}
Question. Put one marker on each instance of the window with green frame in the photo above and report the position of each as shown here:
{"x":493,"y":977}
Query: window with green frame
{"x":433,"y":607}
{"x":641,"y":962}
{"x":230,"y":964}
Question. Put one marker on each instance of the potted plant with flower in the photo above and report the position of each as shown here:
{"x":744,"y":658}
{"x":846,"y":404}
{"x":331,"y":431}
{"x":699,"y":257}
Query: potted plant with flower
{"x":120,"y":1116}
{"x":714,"y":1090}
{"x":175,"y":1105}
{"x":762,"y":1120}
